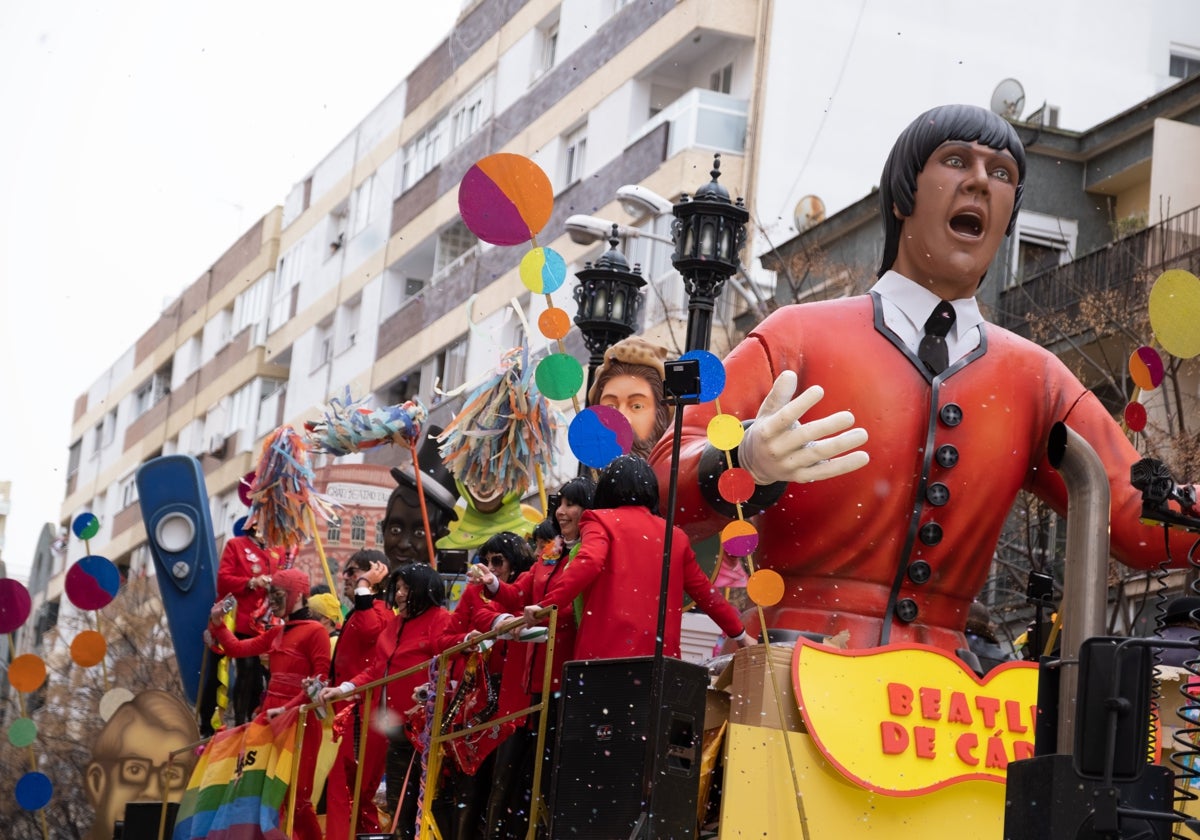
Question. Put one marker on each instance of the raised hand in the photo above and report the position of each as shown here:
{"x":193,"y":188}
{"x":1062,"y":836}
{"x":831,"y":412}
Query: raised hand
{"x":778,"y":447}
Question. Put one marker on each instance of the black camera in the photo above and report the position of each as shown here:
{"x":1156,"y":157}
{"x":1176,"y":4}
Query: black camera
{"x":681,"y":381}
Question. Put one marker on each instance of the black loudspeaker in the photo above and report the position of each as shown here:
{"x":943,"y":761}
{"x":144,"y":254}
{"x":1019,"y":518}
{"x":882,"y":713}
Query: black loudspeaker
{"x":142,"y":818}
{"x":609,"y":737}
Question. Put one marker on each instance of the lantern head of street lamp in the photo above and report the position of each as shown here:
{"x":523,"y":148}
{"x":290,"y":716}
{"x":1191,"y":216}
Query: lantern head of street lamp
{"x":638,"y":201}
{"x":709,"y":232}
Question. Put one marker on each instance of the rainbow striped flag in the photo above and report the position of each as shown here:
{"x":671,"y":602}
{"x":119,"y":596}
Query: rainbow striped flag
{"x":240,"y":783}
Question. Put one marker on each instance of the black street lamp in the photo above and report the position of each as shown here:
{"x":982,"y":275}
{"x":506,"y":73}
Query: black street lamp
{"x":609,"y":299}
{"x":709,"y":231}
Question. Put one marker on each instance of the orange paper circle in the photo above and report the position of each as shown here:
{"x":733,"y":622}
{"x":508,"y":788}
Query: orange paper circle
{"x":88,"y":649}
{"x":554,"y":323}
{"x":27,"y":673}
{"x":765,"y":587}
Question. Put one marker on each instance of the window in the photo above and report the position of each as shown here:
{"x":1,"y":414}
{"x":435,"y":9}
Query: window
{"x":155,"y":388}
{"x":1041,"y":243}
{"x":129,"y":493}
{"x":349,"y":316}
{"x":250,"y":310}
{"x":574,"y":155}
{"x":358,"y":529}
{"x":547,"y":48}
{"x":322,"y":345}
{"x":1184,"y":65}
{"x":468,"y":115}
{"x":424,"y":152}
{"x":336,"y":230}
{"x":361,"y":205}
{"x":334,"y":532}
{"x":399,"y":287}
{"x":104,"y":432}
{"x":379,"y":534}
{"x":721,"y":80}
{"x":452,"y":243}
{"x":407,"y":387}
{"x":73,"y":456}
{"x":451,"y":366}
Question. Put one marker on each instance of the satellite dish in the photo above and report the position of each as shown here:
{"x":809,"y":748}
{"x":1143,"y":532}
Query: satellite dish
{"x":810,"y":210}
{"x":1008,"y":99}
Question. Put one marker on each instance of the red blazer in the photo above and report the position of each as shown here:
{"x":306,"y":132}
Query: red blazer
{"x":241,"y":559}
{"x":529,"y":588}
{"x":619,"y":572}
{"x":403,"y":643}
{"x":475,"y":611}
{"x":858,"y":552}
{"x":297,"y":650}
{"x":356,"y":644}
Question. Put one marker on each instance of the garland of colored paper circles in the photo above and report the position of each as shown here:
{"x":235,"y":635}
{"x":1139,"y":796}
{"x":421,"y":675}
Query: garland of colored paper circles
{"x":91,"y":583}
{"x":506,"y":199}
{"x":1174,"y":309}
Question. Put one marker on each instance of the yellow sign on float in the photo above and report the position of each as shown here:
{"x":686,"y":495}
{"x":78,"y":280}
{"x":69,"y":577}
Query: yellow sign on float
{"x":907,"y":719}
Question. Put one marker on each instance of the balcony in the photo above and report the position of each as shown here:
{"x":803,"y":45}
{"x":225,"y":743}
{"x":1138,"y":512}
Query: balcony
{"x":1127,"y":267}
{"x":702,"y":119}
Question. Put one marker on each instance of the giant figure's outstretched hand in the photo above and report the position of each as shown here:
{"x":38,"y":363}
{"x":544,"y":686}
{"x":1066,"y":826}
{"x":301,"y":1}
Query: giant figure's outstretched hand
{"x":778,"y":447}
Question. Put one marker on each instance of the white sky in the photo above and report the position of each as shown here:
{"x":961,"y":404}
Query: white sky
{"x":140,"y":140}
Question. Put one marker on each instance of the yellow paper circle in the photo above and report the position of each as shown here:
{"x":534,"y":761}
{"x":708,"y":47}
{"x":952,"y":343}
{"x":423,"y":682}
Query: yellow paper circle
{"x":88,"y":649}
{"x":765,"y":587}
{"x":725,"y":432}
{"x":27,"y":673}
{"x":1175,"y":312}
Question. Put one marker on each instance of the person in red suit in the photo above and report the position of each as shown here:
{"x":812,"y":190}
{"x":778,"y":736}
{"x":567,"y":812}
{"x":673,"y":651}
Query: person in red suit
{"x":365,"y":571}
{"x":894,"y":547}
{"x":244,"y":571}
{"x":565,"y":509}
{"x":618,"y":572}
{"x":408,"y":640}
{"x":503,"y":557}
{"x":297,"y":651}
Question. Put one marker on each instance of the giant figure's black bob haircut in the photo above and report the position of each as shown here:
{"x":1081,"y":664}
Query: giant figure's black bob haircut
{"x":898,"y":184}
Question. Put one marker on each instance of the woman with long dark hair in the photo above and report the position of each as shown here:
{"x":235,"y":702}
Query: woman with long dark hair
{"x":410,"y":639}
{"x":509,"y":810}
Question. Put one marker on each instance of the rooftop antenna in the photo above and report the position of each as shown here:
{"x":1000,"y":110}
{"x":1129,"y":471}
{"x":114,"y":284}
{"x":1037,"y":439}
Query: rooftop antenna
{"x":1008,"y":99}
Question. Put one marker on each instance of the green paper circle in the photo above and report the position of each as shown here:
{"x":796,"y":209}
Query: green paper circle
{"x":22,"y":732}
{"x":559,"y":376}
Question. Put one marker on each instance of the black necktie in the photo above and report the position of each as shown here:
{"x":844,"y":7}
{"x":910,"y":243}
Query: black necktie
{"x":932,"y":350}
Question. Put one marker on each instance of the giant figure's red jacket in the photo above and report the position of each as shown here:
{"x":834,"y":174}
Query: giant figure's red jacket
{"x":897,"y":550}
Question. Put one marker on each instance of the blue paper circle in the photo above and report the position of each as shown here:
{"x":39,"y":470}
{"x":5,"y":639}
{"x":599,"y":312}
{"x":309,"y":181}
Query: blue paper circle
{"x":85,"y":526}
{"x":598,"y":434}
{"x":33,"y":791}
{"x":712,"y":374}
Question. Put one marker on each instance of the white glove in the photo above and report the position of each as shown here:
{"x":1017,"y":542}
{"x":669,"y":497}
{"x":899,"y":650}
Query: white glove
{"x":778,"y":447}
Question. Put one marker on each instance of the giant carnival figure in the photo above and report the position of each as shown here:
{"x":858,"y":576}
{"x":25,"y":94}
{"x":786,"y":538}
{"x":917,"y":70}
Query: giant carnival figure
{"x":893,"y":547}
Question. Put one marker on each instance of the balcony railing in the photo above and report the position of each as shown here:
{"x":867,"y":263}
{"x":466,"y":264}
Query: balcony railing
{"x":1124,"y":265}
{"x":702,"y":119}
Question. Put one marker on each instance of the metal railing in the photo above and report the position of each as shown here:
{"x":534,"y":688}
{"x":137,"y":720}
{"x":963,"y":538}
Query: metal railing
{"x":428,"y":827}
{"x":1120,"y":265}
